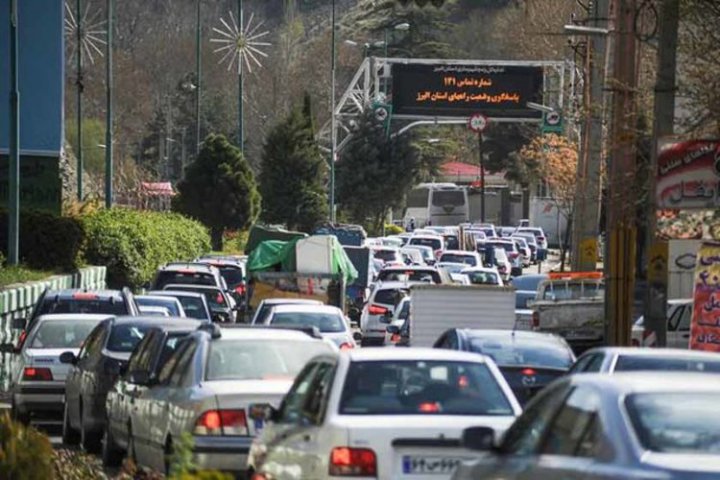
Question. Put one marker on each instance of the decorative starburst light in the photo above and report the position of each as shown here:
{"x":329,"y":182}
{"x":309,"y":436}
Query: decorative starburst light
{"x":240,"y":43}
{"x":92,"y":34}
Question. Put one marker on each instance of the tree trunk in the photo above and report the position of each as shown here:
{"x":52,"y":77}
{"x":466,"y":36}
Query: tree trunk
{"x":566,"y":240}
{"x":216,"y":239}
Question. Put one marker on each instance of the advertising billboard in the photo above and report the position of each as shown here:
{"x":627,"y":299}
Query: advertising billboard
{"x":705,"y":324}
{"x":496,"y":91}
{"x":688,"y":175}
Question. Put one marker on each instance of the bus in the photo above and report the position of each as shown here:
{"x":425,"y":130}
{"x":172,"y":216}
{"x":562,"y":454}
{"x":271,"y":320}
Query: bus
{"x":442,"y":204}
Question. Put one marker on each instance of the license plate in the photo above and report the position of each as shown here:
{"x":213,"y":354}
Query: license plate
{"x":428,"y":465}
{"x":258,"y":424}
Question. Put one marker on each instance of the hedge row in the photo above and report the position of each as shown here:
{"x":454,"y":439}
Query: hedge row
{"x":133,"y":243}
{"x":47,"y":242}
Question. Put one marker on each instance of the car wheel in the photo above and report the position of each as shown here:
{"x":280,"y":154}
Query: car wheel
{"x":69,"y":435}
{"x":111,"y":455}
{"x":90,"y":441}
{"x":169,"y":452}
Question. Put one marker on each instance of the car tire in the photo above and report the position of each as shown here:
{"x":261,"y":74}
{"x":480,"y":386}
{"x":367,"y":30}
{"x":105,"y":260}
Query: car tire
{"x":169,"y":452}
{"x":70,"y":436}
{"x":111,"y":455}
{"x":131,"y":446}
{"x":90,"y":441}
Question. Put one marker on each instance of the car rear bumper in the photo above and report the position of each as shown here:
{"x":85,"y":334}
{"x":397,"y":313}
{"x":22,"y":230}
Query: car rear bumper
{"x":228,"y":454}
{"x":47,"y":397}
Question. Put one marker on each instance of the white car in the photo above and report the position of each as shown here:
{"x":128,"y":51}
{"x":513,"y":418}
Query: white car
{"x":436,"y":242}
{"x":383,"y":298}
{"x":471,"y":259}
{"x":679,"y":314}
{"x":386,"y":413}
{"x":173,"y":305}
{"x":428,"y":255}
{"x":37,"y":381}
{"x":154,"y":311}
{"x":483,"y":276}
{"x":206,"y":387}
{"x":264,"y":308}
{"x":398,"y":319}
{"x":329,"y":320}
{"x":412,"y":256}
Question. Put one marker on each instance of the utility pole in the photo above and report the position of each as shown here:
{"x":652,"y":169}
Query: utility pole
{"x":241,"y":132}
{"x":482,"y":177}
{"x":620,"y":261}
{"x":198,"y":77}
{"x":664,"y":117}
{"x":587,"y":209}
{"x":14,"y":150}
{"x":333,"y":125}
{"x":79,"y":153}
{"x":109,"y":108}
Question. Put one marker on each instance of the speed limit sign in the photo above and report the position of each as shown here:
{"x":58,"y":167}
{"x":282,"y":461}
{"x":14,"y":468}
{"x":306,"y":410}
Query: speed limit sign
{"x":478,"y":122}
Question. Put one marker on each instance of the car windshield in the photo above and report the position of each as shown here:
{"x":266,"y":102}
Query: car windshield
{"x":683,"y":422}
{"x":526,"y":352}
{"x":482,"y":278}
{"x":459,"y":258}
{"x":526,"y":282}
{"x":409,"y":276}
{"x":234,"y":359}
{"x":422,"y":388}
{"x":169,"y":303}
{"x":183,"y":278}
{"x":124,"y":337}
{"x":62,"y":333}
{"x":633,"y":363}
{"x":74,"y":305}
{"x":325,"y":322}
{"x":433,"y":243}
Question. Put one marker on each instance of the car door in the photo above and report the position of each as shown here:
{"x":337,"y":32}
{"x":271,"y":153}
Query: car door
{"x":278,"y":435}
{"x":76,"y":376}
{"x":678,"y":335}
{"x":307,"y":443}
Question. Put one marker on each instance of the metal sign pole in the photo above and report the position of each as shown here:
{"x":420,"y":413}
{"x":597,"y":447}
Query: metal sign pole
{"x":14,"y":153}
{"x":482,"y":177}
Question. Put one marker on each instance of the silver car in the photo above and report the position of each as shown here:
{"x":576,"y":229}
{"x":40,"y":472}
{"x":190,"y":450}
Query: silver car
{"x":38,"y":377}
{"x":173,"y":305}
{"x":630,"y":359}
{"x":329,"y":320}
{"x":206,"y":387}
{"x":649,"y":425}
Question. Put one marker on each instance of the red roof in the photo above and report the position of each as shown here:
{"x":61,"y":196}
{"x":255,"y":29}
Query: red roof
{"x":157,"y":188}
{"x":459,"y":168}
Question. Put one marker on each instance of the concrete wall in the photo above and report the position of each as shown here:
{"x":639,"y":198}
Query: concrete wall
{"x":16,"y":301}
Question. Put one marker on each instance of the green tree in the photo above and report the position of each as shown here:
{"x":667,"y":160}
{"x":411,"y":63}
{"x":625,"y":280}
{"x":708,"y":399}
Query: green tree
{"x":374,"y":172}
{"x":219,"y":189}
{"x":293,"y":172}
{"x":93,"y":140}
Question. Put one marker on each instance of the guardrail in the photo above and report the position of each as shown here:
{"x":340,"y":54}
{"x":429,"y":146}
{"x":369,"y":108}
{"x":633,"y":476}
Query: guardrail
{"x":16,"y":301}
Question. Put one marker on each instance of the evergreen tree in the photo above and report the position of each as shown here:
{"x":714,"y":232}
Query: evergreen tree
{"x":219,"y":189}
{"x":374,"y":172}
{"x":293,"y":173}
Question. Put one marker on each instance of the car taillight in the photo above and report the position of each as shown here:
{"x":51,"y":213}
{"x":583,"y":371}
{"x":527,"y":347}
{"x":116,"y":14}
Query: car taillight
{"x":39,"y":374}
{"x":377,"y":310}
{"x":221,"y":422}
{"x":347,"y":346}
{"x":219,"y":299}
{"x":395,"y":338}
{"x":429,"y":407}
{"x":541,"y":239}
{"x":240,"y":289}
{"x":535,"y":323}
{"x":353,"y":462}
{"x":21,"y":339}
{"x":513,"y":255}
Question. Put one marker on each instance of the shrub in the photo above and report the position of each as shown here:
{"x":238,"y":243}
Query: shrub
{"x":391,"y":229}
{"x":132,"y":244}
{"x":47,"y":241}
{"x":24,"y":452}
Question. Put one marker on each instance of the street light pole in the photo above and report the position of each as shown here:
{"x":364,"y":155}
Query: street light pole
{"x":241,"y":133}
{"x":109,"y":107}
{"x":482,"y":177}
{"x":14,"y":150}
{"x":79,"y":153}
{"x":198,"y":73}
{"x":333,"y":126}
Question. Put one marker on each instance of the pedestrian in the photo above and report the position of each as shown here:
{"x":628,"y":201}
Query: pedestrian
{"x":411,"y":225}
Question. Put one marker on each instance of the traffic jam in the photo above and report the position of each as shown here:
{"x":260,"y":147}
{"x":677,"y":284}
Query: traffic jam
{"x":439,"y":352}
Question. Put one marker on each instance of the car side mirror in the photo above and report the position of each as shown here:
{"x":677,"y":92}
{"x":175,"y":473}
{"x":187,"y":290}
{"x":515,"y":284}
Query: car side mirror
{"x":393,"y":329}
{"x":68,"y":358}
{"x":18,"y":323}
{"x":143,"y":378}
{"x":7,"y":348}
{"x":262,"y":412}
{"x":480,"y":439}
{"x":386,"y":318}
{"x":357,"y":336}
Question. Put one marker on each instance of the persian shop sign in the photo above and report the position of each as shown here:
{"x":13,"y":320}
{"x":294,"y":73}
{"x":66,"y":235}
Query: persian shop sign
{"x":496,"y":91}
{"x":705,"y":324}
{"x":688,"y":175}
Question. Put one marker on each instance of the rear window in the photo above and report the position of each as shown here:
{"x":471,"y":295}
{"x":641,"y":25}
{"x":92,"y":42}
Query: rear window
{"x":255,"y":359}
{"x":110,"y":306}
{"x":630,"y":363}
{"x":422,"y":388}
{"x":409,"y":276}
{"x":213,"y":296}
{"x":184,"y":278}
{"x":233,"y":276}
{"x":124,"y":338}
{"x":386,"y":255}
{"x":508,"y":352}
{"x":194,"y":307}
{"x":388,"y":296}
{"x":448,"y":198}
{"x":508,"y":247}
{"x":455,"y":258}
{"x":62,"y":333}
{"x":325,"y":322}
{"x":451,"y":242}
{"x":433,"y":243}
{"x":168,"y":303}
{"x":483,"y":278}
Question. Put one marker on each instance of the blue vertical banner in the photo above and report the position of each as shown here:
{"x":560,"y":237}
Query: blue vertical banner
{"x":41,"y":57}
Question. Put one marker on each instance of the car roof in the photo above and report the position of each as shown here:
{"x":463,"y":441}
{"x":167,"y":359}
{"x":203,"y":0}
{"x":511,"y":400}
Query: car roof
{"x":175,"y":293}
{"x":378,"y":354}
{"x":259,"y":333}
{"x":197,"y":267}
{"x":192,"y":285}
{"x":159,"y":321}
{"x":396,"y":285}
{"x":167,"y":298}
{"x":221,"y":262}
{"x":458,"y":252}
{"x":427,"y":236}
{"x":480,"y":269}
{"x":68,"y":293}
{"x":409,"y":268}
{"x":73,"y":316}
{"x":657,"y":352}
{"x":512,"y":334}
{"x":291,"y":301}
{"x":300,"y":308}
{"x":649,"y":382}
